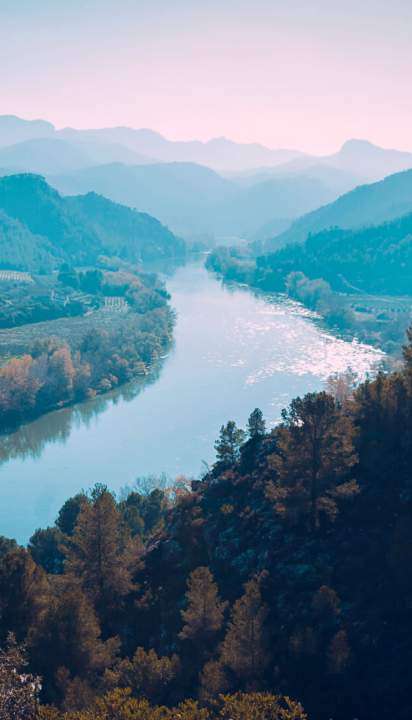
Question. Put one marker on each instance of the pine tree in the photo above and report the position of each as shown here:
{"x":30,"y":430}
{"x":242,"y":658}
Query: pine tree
{"x":244,"y":649}
{"x":203,"y":617}
{"x":228,"y":444}
{"x":69,"y":637}
{"x":315,"y":454}
{"x":256,"y":425}
{"x":98,"y":555}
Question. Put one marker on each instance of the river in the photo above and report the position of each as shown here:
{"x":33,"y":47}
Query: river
{"x":233,"y":351}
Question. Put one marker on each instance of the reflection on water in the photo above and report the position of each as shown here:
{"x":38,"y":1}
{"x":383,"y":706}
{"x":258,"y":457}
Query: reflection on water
{"x":55,"y":427}
{"x":233,"y":351}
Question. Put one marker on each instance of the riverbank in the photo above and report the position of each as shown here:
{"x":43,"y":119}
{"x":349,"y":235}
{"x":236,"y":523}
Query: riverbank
{"x":377,"y":320}
{"x":54,"y":364}
{"x":233,"y":350}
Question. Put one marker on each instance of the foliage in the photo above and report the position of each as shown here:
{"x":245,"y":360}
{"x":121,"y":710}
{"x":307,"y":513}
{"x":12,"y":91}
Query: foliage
{"x":39,"y":229}
{"x":304,"y":535}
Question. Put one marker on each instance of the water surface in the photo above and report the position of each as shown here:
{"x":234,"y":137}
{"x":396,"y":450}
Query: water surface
{"x":233,"y":351}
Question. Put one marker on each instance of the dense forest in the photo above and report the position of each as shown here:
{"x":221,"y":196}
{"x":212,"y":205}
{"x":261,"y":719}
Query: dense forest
{"x":66,"y":363}
{"x":283,"y":572}
{"x":40,"y":229}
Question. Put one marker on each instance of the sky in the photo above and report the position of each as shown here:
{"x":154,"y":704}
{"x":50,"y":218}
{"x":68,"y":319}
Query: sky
{"x":306,"y":74}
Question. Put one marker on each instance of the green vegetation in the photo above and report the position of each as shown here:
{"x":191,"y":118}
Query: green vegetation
{"x":39,"y":229}
{"x":60,"y":362}
{"x":283,"y":572}
{"x":366,"y":205}
{"x":358,"y":280}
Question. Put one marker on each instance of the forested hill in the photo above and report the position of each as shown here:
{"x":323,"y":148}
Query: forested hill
{"x":286,"y":569}
{"x":373,"y":260}
{"x":39,"y":228}
{"x":366,"y":205}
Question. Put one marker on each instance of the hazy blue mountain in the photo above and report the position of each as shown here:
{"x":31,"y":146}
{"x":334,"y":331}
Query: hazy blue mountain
{"x":15,"y":130}
{"x":358,"y":157}
{"x":366,"y":205}
{"x":271,"y":201}
{"x":218,"y":153}
{"x":194,"y":200}
{"x":44,"y":155}
{"x":179,"y":194}
{"x":78,"y":229}
{"x":53,"y":155}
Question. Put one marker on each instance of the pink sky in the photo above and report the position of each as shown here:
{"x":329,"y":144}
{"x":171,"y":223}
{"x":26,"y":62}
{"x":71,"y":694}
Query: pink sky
{"x":306,"y":74}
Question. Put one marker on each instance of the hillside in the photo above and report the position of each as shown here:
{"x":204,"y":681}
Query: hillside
{"x":284,"y":570}
{"x":375,"y":259}
{"x":366,"y":205}
{"x":194,"y":200}
{"x":73,"y":229}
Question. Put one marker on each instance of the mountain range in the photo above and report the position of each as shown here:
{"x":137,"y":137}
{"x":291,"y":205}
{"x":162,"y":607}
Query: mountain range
{"x":39,"y":229}
{"x":358,"y":157}
{"x":218,"y":191}
{"x":370,"y":204}
{"x":195,"y":201}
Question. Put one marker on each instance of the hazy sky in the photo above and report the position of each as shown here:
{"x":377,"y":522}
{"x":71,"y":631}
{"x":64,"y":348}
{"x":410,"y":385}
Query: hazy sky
{"x":306,"y":74}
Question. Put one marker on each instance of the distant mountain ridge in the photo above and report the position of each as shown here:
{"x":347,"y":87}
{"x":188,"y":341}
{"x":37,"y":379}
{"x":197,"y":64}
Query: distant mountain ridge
{"x":366,"y":205}
{"x":194,"y":200}
{"x":39,"y":228}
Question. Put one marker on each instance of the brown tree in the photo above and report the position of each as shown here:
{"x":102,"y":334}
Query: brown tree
{"x":244,"y":649}
{"x":100,"y":555}
{"x":314,"y":457}
{"x":203,"y":617}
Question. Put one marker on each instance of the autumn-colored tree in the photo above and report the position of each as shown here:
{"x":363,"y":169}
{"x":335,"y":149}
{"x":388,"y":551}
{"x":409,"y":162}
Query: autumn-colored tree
{"x":213,"y":681}
{"x":260,"y":706}
{"x":147,"y":674}
{"x":313,"y":460}
{"x":204,"y":614}
{"x":244,"y":649}
{"x":99,"y":555}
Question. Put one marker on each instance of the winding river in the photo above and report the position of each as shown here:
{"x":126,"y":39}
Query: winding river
{"x":233,"y":351}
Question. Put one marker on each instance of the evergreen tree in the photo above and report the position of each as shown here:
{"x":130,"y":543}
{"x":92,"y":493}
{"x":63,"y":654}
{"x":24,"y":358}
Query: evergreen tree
{"x":314,"y":457}
{"x":203,"y":617}
{"x":148,"y":674}
{"x":228,"y":444}
{"x":98,"y":555}
{"x":24,"y":593}
{"x":69,"y":637}
{"x":69,"y":512}
{"x":256,"y":426}
{"x":244,"y":649}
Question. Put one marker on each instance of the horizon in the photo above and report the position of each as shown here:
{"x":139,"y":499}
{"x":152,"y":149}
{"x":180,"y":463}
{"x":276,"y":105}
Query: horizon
{"x":205,"y":141}
{"x":284,"y":77}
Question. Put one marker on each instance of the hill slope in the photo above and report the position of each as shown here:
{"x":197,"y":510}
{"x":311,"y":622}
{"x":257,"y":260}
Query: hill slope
{"x":192,"y":199}
{"x":376,"y":259}
{"x":79,"y":229}
{"x":366,"y":205}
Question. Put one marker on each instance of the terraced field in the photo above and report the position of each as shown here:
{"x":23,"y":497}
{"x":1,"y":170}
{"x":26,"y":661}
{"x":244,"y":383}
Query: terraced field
{"x":15,"y":341}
